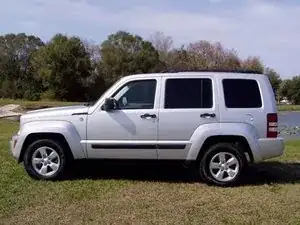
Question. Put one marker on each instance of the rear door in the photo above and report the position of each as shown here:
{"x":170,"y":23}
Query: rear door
{"x":186,"y":103}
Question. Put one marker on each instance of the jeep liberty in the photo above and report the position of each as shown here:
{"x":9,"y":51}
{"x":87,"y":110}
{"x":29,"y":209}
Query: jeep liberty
{"x":221,"y":120}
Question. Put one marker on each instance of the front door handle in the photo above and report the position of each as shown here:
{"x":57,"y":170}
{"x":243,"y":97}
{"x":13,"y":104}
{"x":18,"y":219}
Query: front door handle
{"x":208,"y":115}
{"x":147,"y":115}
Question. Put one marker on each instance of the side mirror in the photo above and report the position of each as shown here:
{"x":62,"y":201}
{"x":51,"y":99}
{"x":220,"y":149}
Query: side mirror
{"x":109,"y":104}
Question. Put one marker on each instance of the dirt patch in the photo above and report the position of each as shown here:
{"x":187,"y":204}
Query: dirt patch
{"x":7,"y":111}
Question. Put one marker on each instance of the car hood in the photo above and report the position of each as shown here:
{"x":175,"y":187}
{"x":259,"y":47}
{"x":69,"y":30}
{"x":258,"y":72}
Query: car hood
{"x":56,"y":111}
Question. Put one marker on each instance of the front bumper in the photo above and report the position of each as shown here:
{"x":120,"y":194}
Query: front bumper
{"x":13,"y":143}
{"x":271,"y":147}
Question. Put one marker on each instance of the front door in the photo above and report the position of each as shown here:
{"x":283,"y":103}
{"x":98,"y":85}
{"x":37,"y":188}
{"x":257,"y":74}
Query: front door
{"x":130,"y":131}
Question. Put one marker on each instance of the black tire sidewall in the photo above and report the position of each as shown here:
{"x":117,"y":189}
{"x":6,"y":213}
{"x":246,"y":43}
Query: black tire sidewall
{"x":48,"y":143}
{"x":212,"y":151}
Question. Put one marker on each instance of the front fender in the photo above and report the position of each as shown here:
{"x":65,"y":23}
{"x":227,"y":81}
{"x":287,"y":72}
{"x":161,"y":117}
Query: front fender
{"x":218,"y":129}
{"x":64,"y":128}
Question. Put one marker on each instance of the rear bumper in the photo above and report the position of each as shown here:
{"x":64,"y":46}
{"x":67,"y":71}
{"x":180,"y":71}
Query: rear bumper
{"x":271,"y":147}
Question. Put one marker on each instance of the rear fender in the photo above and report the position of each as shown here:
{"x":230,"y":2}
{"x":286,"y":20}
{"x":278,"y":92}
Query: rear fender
{"x":218,"y":129}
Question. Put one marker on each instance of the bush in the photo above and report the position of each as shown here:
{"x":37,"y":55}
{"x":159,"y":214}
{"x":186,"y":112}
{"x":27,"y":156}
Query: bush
{"x":31,"y":95}
{"x":48,"y":95}
{"x":7,"y":89}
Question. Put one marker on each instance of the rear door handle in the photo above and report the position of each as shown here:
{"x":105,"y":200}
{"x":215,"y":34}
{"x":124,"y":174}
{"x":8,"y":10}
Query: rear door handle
{"x":208,"y":115}
{"x":147,"y":115}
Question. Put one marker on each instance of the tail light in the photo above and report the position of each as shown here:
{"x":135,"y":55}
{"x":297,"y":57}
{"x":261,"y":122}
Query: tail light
{"x":272,"y":125}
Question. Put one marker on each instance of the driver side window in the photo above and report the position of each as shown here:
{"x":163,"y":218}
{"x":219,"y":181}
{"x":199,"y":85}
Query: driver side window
{"x":136,"y":95}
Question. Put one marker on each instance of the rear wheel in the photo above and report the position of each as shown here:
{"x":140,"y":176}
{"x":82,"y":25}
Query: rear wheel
{"x":46,"y":160}
{"x":222,"y":164}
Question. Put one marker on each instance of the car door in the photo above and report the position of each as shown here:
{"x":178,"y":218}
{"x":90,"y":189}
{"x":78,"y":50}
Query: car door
{"x":186,"y":103}
{"x":130,"y":131}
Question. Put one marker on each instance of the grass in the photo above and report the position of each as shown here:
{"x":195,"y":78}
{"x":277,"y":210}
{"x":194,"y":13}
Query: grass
{"x":32,"y":105}
{"x":148,"y":194}
{"x":288,"y":107}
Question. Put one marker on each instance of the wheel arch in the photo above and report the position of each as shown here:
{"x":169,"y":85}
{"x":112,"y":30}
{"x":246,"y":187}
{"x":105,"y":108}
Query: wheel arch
{"x":239,"y":141}
{"x":240,"y":133}
{"x":61,"y":130}
{"x":32,"y":137}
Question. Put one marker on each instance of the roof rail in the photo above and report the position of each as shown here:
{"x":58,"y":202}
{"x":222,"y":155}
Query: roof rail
{"x":213,"y":70}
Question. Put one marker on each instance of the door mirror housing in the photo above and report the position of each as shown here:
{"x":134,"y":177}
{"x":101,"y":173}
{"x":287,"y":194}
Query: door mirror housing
{"x":109,"y":104}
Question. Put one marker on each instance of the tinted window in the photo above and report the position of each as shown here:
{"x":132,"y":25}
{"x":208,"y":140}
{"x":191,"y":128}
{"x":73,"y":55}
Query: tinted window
{"x":136,"y":95}
{"x":188,"y":93}
{"x":241,"y":93}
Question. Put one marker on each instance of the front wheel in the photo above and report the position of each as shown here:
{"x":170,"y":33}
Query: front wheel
{"x":45,"y":160}
{"x":222,"y":165}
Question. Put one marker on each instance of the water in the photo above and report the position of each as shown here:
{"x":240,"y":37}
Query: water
{"x":289,"y":124}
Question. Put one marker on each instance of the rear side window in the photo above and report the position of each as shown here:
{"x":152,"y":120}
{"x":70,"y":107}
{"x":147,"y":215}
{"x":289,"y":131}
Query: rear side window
{"x":188,"y":93}
{"x":241,"y":93}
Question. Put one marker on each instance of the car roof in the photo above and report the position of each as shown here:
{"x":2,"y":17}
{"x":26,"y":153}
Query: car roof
{"x":226,"y":73}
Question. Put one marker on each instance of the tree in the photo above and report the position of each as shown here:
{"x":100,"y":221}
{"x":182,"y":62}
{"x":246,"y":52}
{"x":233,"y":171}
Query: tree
{"x":16,"y":51}
{"x":284,"y":87}
{"x":253,"y":63}
{"x":93,"y":51}
{"x":123,"y":54}
{"x":206,"y":55}
{"x":95,"y":83}
{"x":178,"y":60}
{"x":62,"y":66}
{"x":274,"y":79}
{"x":66,"y":66}
{"x":163,"y":44}
{"x":290,"y":89}
{"x":8,"y":89}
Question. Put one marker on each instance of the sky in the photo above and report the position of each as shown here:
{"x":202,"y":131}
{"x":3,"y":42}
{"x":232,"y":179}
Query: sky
{"x":265,"y":28}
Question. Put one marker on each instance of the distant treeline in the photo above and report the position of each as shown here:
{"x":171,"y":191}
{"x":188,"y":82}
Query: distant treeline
{"x":69,"y":68}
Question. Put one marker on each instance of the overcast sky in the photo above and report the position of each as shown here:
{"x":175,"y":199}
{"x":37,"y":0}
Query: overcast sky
{"x":266,"y":28}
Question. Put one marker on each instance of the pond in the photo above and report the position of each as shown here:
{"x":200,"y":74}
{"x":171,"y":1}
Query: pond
{"x":289,"y":124}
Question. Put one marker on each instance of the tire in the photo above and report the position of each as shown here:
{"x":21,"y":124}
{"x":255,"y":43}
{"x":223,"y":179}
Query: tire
{"x":51,"y":160}
{"x":217,"y":173}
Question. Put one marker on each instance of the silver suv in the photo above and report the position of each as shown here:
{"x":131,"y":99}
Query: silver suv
{"x":220,"y":120}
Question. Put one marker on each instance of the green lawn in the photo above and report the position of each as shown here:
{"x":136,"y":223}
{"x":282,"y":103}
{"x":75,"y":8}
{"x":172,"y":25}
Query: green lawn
{"x":32,"y":105}
{"x":288,"y":107}
{"x":107,"y":194}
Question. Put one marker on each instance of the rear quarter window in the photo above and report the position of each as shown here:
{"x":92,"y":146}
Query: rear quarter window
{"x":241,"y":93}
